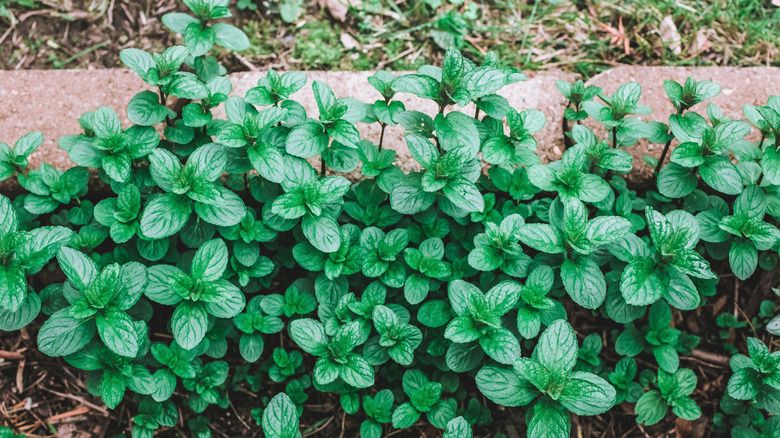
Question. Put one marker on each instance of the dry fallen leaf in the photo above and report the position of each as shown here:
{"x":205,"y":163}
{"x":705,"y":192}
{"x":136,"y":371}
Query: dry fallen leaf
{"x":669,"y":35}
{"x":702,"y":41}
{"x":348,"y":41}
{"x":338,"y":8}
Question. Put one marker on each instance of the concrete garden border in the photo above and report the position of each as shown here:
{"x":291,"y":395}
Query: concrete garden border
{"x":51,"y":101}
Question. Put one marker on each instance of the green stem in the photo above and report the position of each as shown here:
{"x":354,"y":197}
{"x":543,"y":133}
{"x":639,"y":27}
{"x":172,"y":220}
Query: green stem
{"x":663,"y":157}
{"x":614,"y":138}
{"x":382,"y":136}
{"x":666,"y":147}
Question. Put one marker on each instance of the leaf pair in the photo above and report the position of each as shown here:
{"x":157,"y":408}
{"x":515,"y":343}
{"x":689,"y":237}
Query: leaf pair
{"x":336,"y":357}
{"x":50,"y":187}
{"x":100,"y":302}
{"x":337,"y":118}
{"x":746,"y":228}
{"x":16,"y":159}
{"x":575,"y":236}
{"x":548,"y":378}
{"x":189,"y":187}
{"x":479,"y":317}
{"x":23,"y":253}
{"x":570,"y":177}
{"x":111,"y":375}
{"x":108,"y":146}
{"x":675,"y":389}
{"x":757,"y":377}
{"x":424,"y":398}
{"x":199,"y":33}
{"x":313,"y":199}
{"x":202,"y":293}
{"x":665,"y":271}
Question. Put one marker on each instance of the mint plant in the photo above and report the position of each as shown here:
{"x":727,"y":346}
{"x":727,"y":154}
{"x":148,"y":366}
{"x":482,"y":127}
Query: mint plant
{"x":674,"y":390}
{"x":15,"y":160}
{"x":755,"y":377}
{"x":547,"y":379}
{"x":218,"y":256}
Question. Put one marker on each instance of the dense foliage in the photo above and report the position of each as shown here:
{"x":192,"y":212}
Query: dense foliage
{"x":404,"y":294}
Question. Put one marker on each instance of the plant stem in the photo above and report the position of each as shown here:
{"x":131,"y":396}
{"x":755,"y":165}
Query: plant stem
{"x":663,"y":157}
{"x":382,"y":136}
{"x":476,"y":111}
{"x":614,"y":138}
{"x":760,"y":178}
{"x":566,"y":140}
{"x":322,"y":166}
{"x":163,"y":97}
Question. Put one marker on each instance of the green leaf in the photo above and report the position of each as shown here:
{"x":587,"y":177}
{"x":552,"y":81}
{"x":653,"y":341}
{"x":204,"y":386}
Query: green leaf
{"x":13,"y":288}
{"x":422,"y":149}
{"x":650,"y":408}
{"x":675,"y":181}
{"x":667,"y":358}
{"x":548,"y":420}
{"x":743,"y":258}
{"x":62,"y":334}
{"x":501,"y":345}
{"x":464,"y":194}
{"x":640,"y":284}
{"x":587,"y":394}
{"x":28,"y":143}
{"x":357,"y":372}
{"x":199,"y":40}
{"x":422,"y":86}
{"x":307,"y":140}
{"x":230,"y":211}
{"x":137,"y":60}
{"x":210,"y":261}
{"x":117,"y":332}
{"x":557,"y":348}
{"x":605,"y":229}
{"x":165,"y":215}
{"x":230,"y":37}
{"x":43,"y":244}
{"x":165,"y":168}
{"x":178,"y":22}
{"x":744,"y":384}
{"x":584,"y":282}
{"x":105,"y":123}
{"x":504,"y":387}
{"x":280,"y":418}
{"x":268,"y":161}
{"x":144,"y":109}
{"x":721,"y":175}
{"x":322,"y":232}
{"x":250,"y":346}
{"x":409,"y":197}
{"x":458,"y":428}
{"x":9,"y":222}
{"x":405,"y":415}
{"x":189,"y":323}
{"x":28,"y":310}
{"x":686,"y":408}
{"x":541,"y":237}
{"x":79,"y":268}
{"x":310,"y":335}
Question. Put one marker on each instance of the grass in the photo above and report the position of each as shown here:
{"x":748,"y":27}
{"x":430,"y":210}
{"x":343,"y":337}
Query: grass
{"x":583,"y":36}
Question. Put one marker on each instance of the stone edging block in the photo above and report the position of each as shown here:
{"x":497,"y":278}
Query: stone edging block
{"x":51,"y":101}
